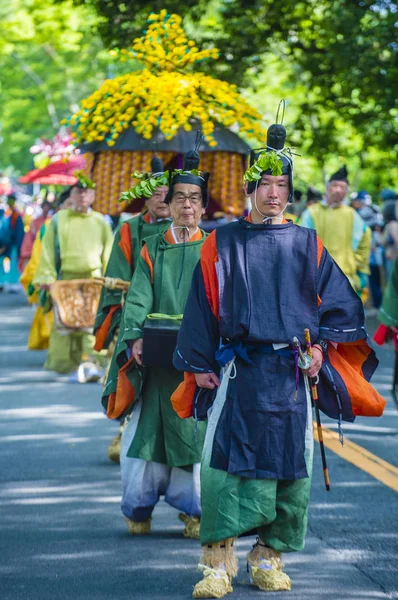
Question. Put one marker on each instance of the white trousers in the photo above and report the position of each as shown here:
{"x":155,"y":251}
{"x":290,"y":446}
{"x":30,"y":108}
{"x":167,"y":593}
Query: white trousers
{"x":143,"y":481}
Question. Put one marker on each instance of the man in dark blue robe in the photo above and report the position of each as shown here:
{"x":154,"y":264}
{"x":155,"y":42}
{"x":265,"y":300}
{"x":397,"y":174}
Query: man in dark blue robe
{"x":260,"y":282}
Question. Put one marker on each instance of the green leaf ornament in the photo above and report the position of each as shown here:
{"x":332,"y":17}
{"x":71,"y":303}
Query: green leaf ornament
{"x":266,"y":161}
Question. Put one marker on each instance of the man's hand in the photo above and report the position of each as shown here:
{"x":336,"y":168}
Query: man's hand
{"x":137,"y":349}
{"x":207,"y":380}
{"x":317,"y":359}
{"x":45,"y":286}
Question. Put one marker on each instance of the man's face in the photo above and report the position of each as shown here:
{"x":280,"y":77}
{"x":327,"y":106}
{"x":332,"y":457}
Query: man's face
{"x":272,"y":195}
{"x":156,"y":205}
{"x":186,"y":205}
{"x":337,"y":191}
{"x":82,"y":198}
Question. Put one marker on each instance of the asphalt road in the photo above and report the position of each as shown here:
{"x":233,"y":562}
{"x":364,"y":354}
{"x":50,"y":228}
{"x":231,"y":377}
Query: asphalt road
{"x":62,"y":535}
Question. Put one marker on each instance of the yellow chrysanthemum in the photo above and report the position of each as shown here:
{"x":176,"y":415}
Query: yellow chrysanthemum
{"x":165,"y":94}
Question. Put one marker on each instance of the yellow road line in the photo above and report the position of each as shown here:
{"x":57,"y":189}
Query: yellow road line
{"x":361,"y":458}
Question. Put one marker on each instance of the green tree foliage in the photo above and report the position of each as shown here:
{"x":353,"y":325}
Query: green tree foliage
{"x":341,"y":53}
{"x":335,"y":61}
{"x":49,"y":60}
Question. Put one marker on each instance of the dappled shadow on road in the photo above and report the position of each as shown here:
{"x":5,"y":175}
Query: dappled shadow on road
{"x":347,"y":521}
{"x":58,"y":415}
{"x":63,"y":537}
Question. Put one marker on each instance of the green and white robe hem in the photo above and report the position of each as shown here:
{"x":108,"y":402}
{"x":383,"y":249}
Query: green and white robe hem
{"x":233,"y":505}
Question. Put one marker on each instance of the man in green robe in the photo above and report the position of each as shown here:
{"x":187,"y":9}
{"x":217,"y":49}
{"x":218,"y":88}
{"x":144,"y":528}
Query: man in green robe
{"x":160,"y":454}
{"x":123,"y":260}
{"x":76,"y":245}
{"x":124,"y":256}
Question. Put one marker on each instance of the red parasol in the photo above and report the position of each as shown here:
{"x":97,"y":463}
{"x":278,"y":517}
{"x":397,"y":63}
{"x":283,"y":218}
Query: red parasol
{"x":55,"y":179}
{"x":29,"y":176}
{"x":57,"y":173}
{"x":64,"y":167}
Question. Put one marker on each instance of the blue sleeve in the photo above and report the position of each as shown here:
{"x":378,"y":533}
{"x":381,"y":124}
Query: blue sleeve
{"x":198,"y":338}
{"x":341,"y":312}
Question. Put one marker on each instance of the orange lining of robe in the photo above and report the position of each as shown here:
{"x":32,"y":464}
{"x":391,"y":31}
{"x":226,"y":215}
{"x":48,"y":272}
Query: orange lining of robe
{"x":348,"y":360}
{"x":103,"y":329}
{"x":119,"y":401}
{"x":147,"y":258}
{"x":125,"y":242}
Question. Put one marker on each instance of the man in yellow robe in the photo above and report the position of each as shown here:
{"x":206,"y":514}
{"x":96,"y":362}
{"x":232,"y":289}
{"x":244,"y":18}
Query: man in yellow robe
{"x":39,"y":334}
{"x":76,"y":245}
{"x":342,"y":231}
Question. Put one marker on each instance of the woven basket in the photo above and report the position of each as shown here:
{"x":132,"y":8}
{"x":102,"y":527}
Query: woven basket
{"x":75,"y":304}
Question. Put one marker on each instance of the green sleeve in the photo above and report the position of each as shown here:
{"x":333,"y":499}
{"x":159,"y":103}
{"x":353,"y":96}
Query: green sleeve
{"x":139,"y":302}
{"x":47,"y":272}
{"x":363,"y":252}
{"x":118,"y":267}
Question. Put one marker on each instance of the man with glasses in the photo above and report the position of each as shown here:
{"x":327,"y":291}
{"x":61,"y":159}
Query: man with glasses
{"x":123,"y":260}
{"x":160,"y":454}
{"x":125,"y":253}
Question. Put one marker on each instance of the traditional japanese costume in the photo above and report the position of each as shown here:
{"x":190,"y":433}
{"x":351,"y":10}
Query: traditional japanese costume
{"x":123,"y":260}
{"x":344,"y":234}
{"x":160,"y":453}
{"x":40,"y":329}
{"x":257,"y":286}
{"x":75,"y":246}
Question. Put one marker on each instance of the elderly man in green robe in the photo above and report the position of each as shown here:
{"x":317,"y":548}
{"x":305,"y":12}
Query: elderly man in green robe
{"x":122,"y":263}
{"x":76,"y":245}
{"x":160,"y":454}
{"x":125,"y":253}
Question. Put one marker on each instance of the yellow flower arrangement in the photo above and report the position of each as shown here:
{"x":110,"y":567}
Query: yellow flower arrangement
{"x":165,"y":94}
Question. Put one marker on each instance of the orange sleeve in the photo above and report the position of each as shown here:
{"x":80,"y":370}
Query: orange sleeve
{"x":148,"y":260}
{"x":119,"y":401}
{"x":320,"y":248}
{"x":103,"y":329}
{"x":208,"y":260}
{"x":182,"y":398}
{"x":125,"y":242}
{"x":348,"y":360}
